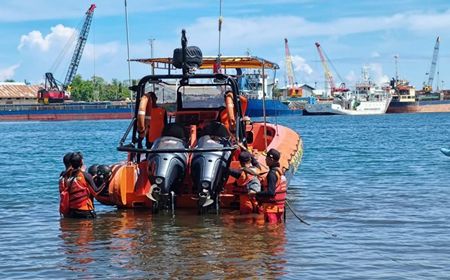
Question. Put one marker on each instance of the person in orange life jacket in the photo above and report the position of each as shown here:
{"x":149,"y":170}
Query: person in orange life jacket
{"x":81,"y":189}
{"x":159,"y":120}
{"x":247,"y":176}
{"x":272,"y":161}
{"x":64,"y":174}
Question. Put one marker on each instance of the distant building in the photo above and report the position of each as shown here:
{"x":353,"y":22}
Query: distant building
{"x":18,"y":93}
{"x":307,"y":90}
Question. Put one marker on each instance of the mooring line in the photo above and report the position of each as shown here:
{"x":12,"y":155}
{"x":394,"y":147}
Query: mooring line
{"x":358,"y":245}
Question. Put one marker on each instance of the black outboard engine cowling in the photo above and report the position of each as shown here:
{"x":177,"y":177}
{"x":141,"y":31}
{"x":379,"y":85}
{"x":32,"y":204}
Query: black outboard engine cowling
{"x":208,"y":169}
{"x":166,"y":170}
{"x":194,"y":57}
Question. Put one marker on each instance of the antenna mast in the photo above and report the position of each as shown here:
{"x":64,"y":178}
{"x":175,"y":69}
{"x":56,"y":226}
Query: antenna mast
{"x":128,"y":49}
{"x":217,"y":66}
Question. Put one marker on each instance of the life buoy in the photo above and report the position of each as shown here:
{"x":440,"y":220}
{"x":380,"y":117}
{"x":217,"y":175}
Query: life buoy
{"x":230,"y":110}
{"x":244,"y":104}
{"x":141,"y":116}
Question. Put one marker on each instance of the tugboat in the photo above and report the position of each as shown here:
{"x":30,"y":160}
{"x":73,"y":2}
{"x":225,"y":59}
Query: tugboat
{"x":182,"y":159}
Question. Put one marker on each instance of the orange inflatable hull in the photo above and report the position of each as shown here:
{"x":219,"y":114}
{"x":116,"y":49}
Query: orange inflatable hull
{"x":129,"y":184}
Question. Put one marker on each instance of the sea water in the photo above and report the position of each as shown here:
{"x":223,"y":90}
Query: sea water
{"x":374,"y":189}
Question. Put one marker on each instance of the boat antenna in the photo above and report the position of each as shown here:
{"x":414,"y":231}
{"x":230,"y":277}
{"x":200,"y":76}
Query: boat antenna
{"x":218,"y":62}
{"x":128,"y":50}
{"x":396,"y":67}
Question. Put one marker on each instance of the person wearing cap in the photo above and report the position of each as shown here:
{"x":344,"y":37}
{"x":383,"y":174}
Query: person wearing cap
{"x":271,"y":181}
{"x":272,"y":198}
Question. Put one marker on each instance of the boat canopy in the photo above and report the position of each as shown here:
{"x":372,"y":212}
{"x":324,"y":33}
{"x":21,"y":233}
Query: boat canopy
{"x":232,"y":62}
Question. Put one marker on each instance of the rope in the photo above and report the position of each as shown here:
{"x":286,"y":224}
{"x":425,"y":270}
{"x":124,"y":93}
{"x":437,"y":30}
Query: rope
{"x":334,"y":235}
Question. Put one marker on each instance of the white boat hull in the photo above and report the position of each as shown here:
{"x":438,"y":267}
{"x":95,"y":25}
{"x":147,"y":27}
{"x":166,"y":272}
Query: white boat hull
{"x":364,"y":108}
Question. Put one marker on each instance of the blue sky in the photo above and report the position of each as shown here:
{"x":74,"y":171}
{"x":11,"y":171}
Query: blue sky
{"x":352,"y":33}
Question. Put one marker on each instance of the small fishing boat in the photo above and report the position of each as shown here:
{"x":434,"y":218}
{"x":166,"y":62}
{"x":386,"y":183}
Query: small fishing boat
{"x":182,"y":158}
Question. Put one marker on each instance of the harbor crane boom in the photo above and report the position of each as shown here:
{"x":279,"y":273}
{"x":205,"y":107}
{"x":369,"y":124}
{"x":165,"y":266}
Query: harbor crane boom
{"x":73,"y":67}
{"x":55,"y":92}
{"x":291,"y":86}
{"x":428,"y":87}
{"x":328,"y":76}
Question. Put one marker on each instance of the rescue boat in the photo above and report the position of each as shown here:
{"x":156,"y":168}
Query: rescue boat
{"x":181,"y":158}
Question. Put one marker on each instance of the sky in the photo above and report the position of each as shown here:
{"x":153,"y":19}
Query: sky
{"x":353,"y":34}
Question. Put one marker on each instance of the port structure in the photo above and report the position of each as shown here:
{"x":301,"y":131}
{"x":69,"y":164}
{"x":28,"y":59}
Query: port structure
{"x":328,"y":76}
{"x":428,"y":86}
{"x":291,"y":87}
{"x":54,"y":91}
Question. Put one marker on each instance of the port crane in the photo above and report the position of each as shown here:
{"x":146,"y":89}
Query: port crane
{"x":292,"y":88}
{"x":328,"y":76}
{"x":55,"y":92}
{"x":428,"y":86}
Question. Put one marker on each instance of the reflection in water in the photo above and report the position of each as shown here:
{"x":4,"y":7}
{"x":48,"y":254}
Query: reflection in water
{"x":134,"y":243}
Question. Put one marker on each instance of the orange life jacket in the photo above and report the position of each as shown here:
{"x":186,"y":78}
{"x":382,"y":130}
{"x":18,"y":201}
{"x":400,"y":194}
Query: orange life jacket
{"x":275,"y":204}
{"x":245,"y":178}
{"x":79,"y":193}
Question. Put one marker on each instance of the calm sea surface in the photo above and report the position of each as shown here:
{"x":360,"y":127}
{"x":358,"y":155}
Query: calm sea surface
{"x":375,"y":189}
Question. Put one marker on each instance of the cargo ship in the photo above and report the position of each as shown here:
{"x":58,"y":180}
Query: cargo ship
{"x":405,"y":99}
{"x":67,"y":111}
{"x":19,"y":102}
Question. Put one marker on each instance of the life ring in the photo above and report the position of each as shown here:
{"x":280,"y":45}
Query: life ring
{"x":141,"y":116}
{"x":230,"y":110}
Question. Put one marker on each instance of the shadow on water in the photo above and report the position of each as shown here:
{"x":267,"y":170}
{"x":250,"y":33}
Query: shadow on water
{"x":136,"y":244}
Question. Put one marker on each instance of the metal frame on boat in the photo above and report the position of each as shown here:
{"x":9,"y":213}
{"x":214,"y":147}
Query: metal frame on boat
{"x":192,"y":171}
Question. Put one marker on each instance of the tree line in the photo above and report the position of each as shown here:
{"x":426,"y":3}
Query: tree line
{"x":97,"y":89}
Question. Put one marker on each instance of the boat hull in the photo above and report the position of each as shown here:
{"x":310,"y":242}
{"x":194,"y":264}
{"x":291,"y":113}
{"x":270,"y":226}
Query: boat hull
{"x":129,"y":184}
{"x":65,"y":112}
{"x":432,"y":106}
{"x":365,"y":108}
{"x":272,"y":108}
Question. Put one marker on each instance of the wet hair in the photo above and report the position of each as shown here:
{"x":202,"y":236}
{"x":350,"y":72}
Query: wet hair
{"x":76,"y":160}
{"x":66,"y":159}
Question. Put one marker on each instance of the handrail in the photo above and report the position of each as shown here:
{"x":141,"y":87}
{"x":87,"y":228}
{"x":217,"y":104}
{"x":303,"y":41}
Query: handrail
{"x":188,"y":150}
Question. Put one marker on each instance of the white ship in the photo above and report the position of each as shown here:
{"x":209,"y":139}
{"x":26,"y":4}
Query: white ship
{"x":366,"y":99}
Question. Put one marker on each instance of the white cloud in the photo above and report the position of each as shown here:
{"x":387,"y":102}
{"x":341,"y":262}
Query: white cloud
{"x":97,"y":51}
{"x":249,"y":32}
{"x":57,"y":37}
{"x":8,"y":73}
{"x":300,"y":65}
{"x":375,"y":54}
{"x":377,"y":73}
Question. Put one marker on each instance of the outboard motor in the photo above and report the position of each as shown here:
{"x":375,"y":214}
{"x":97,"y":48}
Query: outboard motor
{"x":208,"y":169}
{"x":167,"y":169}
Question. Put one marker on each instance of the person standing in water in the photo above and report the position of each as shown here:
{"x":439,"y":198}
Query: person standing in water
{"x":81,"y":189}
